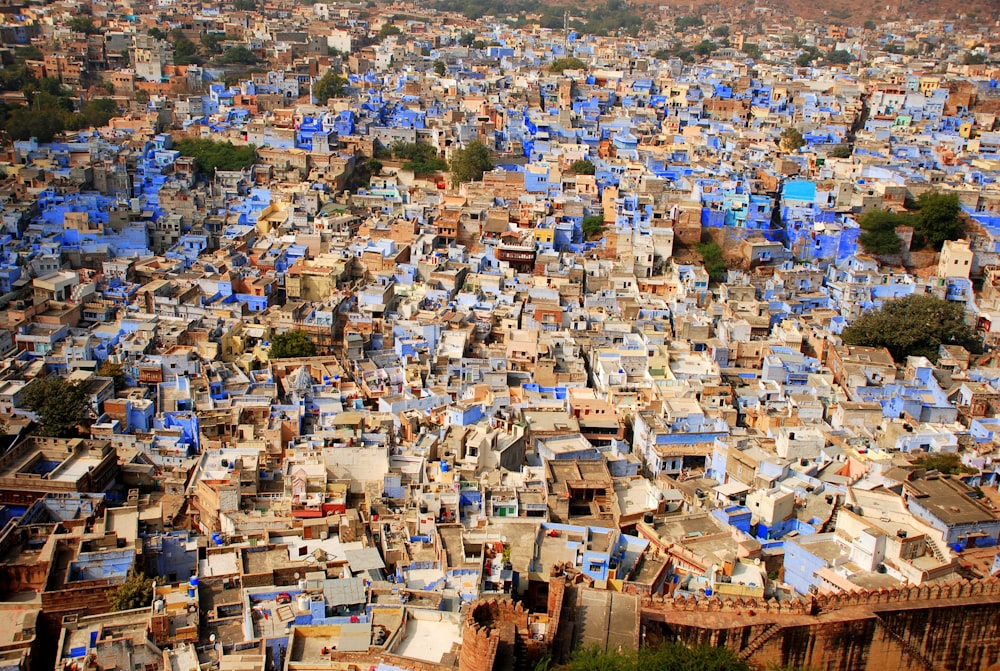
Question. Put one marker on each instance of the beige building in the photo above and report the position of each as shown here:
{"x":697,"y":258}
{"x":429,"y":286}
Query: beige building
{"x":956,"y":259}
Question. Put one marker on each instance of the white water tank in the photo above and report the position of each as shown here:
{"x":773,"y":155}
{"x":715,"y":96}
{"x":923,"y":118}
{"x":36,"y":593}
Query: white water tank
{"x":303,"y":601}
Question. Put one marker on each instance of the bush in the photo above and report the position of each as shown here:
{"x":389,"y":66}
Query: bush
{"x":712,"y":257}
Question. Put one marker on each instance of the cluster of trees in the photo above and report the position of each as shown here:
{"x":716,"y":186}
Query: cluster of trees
{"x":237,"y":56}
{"x":916,"y":325}
{"x":937,"y":217}
{"x":583,"y":167}
{"x":291,"y":345}
{"x":47,"y":115}
{"x":682,"y":23}
{"x":469,"y":163}
{"x":51,"y":109}
{"x":422,"y":159}
{"x":667,"y":657}
{"x":211,"y":156}
{"x":560,"y":65}
{"x":610,"y":18}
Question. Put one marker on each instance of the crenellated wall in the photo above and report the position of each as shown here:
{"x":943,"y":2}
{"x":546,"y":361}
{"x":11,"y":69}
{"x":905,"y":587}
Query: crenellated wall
{"x":953,"y":626}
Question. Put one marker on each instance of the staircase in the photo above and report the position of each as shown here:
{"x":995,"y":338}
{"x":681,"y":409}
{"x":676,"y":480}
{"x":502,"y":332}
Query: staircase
{"x":758,"y":642}
{"x":912,"y":650}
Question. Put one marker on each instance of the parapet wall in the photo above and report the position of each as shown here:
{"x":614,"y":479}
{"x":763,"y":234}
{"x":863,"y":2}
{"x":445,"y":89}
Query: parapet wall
{"x":943,"y":626}
{"x":810,"y":605}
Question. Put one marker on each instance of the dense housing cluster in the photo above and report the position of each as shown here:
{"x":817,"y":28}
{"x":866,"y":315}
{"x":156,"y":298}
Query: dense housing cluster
{"x":339,"y":336}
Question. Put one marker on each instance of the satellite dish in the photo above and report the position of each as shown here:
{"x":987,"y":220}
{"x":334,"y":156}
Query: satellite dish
{"x":296,"y":575}
{"x":211,"y":639}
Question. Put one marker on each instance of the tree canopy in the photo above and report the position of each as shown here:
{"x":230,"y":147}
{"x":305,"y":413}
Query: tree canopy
{"x":60,"y":405}
{"x":211,"y":156}
{"x":668,"y":657}
{"x":330,"y":85}
{"x":712,"y":257}
{"x":420,"y":158}
{"x":135,"y":592}
{"x":790,"y":140}
{"x":570,"y":63}
{"x":879,"y":231}
{"x":948,"y":463}
{"x":583,"y":167}
{"x":938,"y":218}
{"x":915,"y":325}
{"x":469,"y":163}
{"x":291,"y":345}
{"x":592,"y":226}
{"x":116,"y":372}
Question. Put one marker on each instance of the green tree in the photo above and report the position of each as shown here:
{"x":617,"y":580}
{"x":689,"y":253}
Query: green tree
{"x":938,"y":218}
{"x":420,"y":158}
{"x":947,"y":463}
{"x":245,"y":5}
{"x":682,"y":23}
{"x":560,"y":65}
{"x":879,"y":231}
{"x":592,"y":226}
{"x":185,"y":51}
{"x":61,"y":406}
{"x":869,"y":25}
{"x":440,"y":68}
{"x":720,"y":31}
{"x":116,"y":372}
{"x":238,"y":56}
{"x":330,"y":85}
{"x":790,"y":140}
{"x":972,"y":58}
{"x":668,"y":657}
{"x":135,"y":592}
{"x":841,"y":151}
{"x":211,"y":156}
{"x":705,"y":47}
{"x":712,"y":257}
{"x":25,"y":123}
{"x":291,"y":345}
{"x":387,"y":30}
{"x":583,"y":167}
{"x":97,"y":112}
{"x":156,"y":33}
{"x":469,"y":163}
{"x":83,"y":24}
{"x":752,"y":50}
{"x":915,"y":325}
{"x":839,"y":57}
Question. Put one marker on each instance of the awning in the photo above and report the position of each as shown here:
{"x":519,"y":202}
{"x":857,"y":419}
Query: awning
{"x":731,"y":489}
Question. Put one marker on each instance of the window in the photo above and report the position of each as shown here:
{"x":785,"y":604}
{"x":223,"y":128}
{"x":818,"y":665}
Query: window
{"x":596,"y":567}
